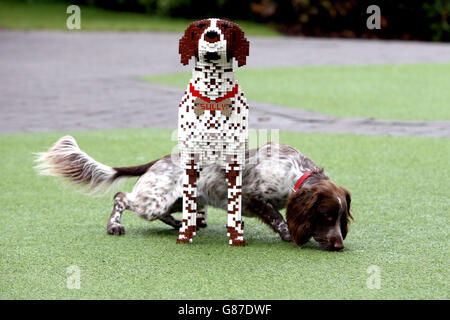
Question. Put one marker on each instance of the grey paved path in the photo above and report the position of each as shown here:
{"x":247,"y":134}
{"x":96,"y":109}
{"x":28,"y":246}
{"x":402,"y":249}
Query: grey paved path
{"x":69,"y":81}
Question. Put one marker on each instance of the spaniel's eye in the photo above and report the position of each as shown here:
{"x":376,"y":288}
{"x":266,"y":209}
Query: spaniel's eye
{"x":201,"y":25}
{"x":225,"y":26}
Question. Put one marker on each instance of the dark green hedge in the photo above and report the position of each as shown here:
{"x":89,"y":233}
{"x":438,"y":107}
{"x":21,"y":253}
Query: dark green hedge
{"x":403,"y":19}
{"x":179,"y":8}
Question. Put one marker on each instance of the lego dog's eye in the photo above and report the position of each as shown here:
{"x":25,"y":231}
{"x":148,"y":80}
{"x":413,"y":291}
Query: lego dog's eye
{"x":201,"y":25}
{"x":225,"y":26}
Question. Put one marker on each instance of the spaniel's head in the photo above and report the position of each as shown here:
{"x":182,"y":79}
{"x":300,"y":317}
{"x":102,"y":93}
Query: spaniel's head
{"x":320,"y":211}
{"x":214,"y":40}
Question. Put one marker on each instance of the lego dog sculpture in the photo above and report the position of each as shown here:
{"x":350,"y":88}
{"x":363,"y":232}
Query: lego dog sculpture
{"x":213,"y":119}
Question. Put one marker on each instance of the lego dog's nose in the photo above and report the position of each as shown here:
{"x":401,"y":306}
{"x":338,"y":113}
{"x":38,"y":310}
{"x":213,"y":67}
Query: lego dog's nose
{"x":212,"y":56}
{"x":211,"y":36}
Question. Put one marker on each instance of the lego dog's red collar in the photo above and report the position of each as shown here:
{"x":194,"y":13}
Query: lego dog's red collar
{"x":229,"y":94}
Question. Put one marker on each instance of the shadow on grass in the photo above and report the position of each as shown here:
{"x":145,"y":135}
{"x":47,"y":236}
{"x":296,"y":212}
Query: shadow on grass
{"x":217,"y":236}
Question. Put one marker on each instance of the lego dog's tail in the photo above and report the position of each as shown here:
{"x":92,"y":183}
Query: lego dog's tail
{"x":65,"y":159}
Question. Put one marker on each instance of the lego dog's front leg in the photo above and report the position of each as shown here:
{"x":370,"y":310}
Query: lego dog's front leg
{"x":188,"y":227}
{"x":235,"y":225}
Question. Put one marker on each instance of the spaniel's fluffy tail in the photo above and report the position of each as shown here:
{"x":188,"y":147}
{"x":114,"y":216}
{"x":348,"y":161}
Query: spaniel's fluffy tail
{"x":65,"y":159}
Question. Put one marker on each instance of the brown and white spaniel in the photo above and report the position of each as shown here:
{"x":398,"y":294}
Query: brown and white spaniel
{"x":315,"y":207}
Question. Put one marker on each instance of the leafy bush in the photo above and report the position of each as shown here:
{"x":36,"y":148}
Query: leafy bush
{"x":402,"y":19}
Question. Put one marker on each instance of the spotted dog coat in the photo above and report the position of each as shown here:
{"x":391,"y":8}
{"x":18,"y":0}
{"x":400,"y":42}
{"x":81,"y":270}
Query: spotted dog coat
{"x":213,"y":118}
{"x":319,"y":209}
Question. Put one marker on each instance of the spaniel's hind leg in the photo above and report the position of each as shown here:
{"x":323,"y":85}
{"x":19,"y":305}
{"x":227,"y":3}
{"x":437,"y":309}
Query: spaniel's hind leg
{"x":147,"y":203}
{"x":120,"y":204}
{"x":202,"y":215}
{"x":171,"y":221}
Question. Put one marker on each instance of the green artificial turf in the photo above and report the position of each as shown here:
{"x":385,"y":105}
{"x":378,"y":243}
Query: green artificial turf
{"x":48,"y":15}
{"x":403,"y":92}
{"x":400,"y":203}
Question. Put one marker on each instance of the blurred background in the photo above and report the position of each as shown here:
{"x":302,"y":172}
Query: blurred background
{"x":402,"y":19}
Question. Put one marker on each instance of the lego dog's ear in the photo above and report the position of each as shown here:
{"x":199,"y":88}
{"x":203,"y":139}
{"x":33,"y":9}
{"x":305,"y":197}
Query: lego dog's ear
{"x":188,"y":45}
{"x":237,"y":44}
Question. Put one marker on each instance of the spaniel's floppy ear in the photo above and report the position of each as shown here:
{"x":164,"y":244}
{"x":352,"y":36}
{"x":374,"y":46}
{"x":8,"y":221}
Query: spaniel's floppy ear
{"x":346,"y":216}
{"x":188,"y":45}
{"x":300,"y":212}
{"x":237,"y":44}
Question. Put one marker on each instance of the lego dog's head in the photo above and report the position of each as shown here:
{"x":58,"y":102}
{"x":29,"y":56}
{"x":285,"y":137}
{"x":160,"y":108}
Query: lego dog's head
{"x":214,"y":40}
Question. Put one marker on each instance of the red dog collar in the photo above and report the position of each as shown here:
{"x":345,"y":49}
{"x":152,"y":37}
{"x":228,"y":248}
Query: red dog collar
{"x":301,"y":180}
{"x":229,"y":94}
